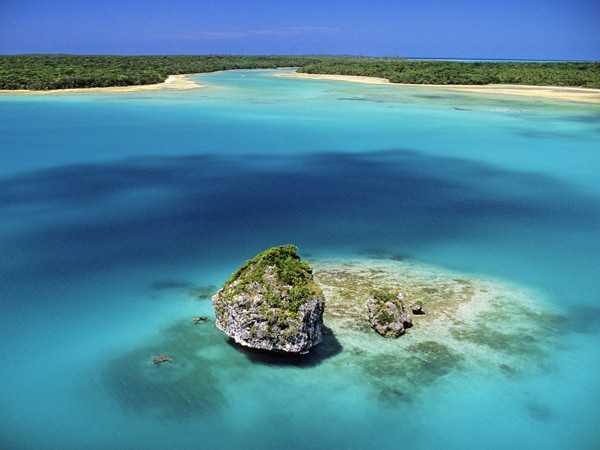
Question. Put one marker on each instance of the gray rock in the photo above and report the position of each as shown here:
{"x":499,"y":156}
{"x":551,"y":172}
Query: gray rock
{"x":387,"y":313}
{"x":272,"y":303}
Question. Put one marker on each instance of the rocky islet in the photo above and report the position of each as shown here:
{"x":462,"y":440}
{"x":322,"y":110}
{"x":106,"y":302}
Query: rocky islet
{"x":272,"y":303}
{"x":388,"y":314}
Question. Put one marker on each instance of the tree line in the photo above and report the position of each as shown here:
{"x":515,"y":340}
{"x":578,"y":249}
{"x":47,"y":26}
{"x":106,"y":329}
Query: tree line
{"x":580,"y":74}
{"x":45,"y":72}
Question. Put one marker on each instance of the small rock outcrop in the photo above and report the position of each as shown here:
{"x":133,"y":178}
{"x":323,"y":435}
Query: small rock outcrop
{"x":272,"y":303}
{"x":387,"y":313}
{"x":417,"y":308}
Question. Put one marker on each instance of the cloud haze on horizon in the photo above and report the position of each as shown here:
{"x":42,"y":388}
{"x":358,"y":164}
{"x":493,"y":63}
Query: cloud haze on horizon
{"x":535,"y":29}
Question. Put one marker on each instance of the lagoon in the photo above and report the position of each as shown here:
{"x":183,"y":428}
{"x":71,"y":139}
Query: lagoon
{"x":122,"y":214}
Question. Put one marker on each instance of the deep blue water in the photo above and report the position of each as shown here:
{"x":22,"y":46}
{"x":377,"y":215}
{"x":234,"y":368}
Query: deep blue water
{"x":118,"y":208}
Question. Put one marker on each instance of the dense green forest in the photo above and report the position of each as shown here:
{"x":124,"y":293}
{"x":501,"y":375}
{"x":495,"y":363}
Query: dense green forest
{"x":44,"y":72}
{"x":583,"y":74}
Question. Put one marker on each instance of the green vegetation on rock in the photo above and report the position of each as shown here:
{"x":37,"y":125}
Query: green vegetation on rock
{"x":387,"y":313}
{"x":382,"y":296}
{"x":286,"y":269}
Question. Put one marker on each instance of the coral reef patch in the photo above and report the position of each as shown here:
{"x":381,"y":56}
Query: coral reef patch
{"x":470,"y":324}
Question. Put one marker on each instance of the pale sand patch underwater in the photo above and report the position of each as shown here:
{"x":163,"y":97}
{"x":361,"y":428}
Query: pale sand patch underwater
{"x":174,"y":83}
{"x":572,"y":94}
{"x":471,"y":325}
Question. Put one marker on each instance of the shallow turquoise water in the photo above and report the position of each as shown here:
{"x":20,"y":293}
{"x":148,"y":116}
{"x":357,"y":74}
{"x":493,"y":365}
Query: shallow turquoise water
{"x":116,"y":209}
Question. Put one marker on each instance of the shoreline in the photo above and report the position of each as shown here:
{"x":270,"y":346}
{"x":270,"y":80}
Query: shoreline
{"x":182,"y":82}
{"x":570,"y":94}
{"x":173,"y":82}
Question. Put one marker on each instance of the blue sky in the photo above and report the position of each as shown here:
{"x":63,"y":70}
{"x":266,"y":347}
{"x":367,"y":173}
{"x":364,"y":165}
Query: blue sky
{"x":510,"y":29}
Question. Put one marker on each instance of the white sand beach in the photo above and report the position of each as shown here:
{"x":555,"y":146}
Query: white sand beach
{"x":572,"y":94}
{"x":348,"y":78}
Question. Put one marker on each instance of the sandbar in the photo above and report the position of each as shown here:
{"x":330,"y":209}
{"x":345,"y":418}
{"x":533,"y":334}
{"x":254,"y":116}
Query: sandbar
{"x":571,"y":94}
{"x":174,"y":83}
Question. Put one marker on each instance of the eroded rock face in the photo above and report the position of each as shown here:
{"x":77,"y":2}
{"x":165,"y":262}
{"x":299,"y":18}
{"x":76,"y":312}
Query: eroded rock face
{"x":272,"y":303}
{"x":388,"y":314}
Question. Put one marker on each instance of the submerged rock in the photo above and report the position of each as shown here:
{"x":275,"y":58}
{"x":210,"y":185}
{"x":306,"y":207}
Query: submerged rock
{"x":272,"y":303}
{"x":387,"y":313}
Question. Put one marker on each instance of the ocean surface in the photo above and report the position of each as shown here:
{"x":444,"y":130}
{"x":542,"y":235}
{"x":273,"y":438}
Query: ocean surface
{"x":121,"y":214}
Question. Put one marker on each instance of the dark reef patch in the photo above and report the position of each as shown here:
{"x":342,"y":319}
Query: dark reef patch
{"x":434,"y":359}
{"x":169,"y":284}
{"x":512,"y":344}
{"x":392,"y":395}
{"x":539,"y":411}
{"x":585,"y":320}
{"x":184,"y":388}
{"x":204,"y":292}
{"x":508,"y":370}
{"x":400,"y":376}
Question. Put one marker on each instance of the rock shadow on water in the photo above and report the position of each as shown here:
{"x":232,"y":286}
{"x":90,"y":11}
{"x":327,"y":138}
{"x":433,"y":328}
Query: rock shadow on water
{"x":186,"y":387}
{"x":328,"y":348}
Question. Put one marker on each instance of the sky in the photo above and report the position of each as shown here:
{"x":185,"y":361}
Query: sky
{"x":451,"y":29}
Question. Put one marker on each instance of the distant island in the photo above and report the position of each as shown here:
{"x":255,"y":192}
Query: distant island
{"x":52,"y":72}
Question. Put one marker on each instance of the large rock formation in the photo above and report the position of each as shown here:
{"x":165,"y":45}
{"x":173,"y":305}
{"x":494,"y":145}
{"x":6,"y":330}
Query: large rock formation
{"x":272,"y":303}
{"x":388,"y":314}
